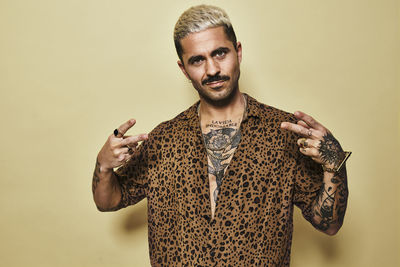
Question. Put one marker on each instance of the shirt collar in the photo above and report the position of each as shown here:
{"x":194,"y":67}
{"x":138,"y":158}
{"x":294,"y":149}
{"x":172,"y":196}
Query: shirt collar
{"x":253,"y":109}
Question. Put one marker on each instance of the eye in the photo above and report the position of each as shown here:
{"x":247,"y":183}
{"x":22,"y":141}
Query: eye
{"x":220,"y":54}
{"x":197,"y":61}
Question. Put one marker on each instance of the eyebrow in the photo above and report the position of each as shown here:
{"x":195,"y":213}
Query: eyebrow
{"x":192,"y":59}
{"x":219,"y":50}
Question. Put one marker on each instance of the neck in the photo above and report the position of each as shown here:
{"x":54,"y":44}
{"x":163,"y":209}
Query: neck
{"x":233,"y":109}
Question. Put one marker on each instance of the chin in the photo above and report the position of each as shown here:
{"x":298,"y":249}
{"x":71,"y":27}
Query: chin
{"x":221,"y":97}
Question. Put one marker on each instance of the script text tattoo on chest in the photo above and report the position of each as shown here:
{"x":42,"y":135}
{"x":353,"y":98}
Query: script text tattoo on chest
{"x":221,"y":124}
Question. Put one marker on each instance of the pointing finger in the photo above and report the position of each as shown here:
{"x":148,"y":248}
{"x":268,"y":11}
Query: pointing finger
{"x":134,"y":139}
{"x":297,"y":129}
{"x":302,"y":123}
{"x":310,"y":121}
{"x":125,"y":127}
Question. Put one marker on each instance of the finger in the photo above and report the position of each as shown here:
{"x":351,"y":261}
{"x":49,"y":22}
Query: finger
{"x":297,"y":129}
{"x":311,"y":152}
{"x":120,"y":151}
{"x":125,"y":127}
{"x":302,"y":123}
{"x":121,"y":157}
{"x":125,"y":157}
{"x":131,"y":150}
{"x":304,"y":142}
{"x":128,"y":157}
{"x":116,"y":141}
{"x":310,"y":121}
{"x":133,"y":140}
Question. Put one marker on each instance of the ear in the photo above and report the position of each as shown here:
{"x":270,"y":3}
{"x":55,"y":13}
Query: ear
{"x":182,"y":67}
{"x":239,"y":51}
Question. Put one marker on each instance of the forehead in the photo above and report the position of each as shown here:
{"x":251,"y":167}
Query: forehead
{"x":205,"y":41}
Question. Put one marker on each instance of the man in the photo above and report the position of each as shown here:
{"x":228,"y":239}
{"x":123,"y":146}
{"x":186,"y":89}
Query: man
{"x":221,"y":178}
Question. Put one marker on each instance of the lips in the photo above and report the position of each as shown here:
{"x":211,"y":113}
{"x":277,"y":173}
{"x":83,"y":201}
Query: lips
{"x":215,"y":84}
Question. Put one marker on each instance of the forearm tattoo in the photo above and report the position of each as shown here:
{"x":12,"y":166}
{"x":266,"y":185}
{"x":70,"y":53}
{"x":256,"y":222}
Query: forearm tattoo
{"x":331,"y":203}
{"x":95,"y":183}
{"x":220,"y":144}
{"x":330,"y":206}
{"x":96,"y":178}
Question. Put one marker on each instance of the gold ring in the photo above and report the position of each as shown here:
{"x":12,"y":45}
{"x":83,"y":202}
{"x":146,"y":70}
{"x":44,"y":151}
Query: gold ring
{"x":303,"y":142}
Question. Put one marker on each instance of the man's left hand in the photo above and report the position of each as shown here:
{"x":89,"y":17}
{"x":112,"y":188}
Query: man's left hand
{"x":317,"y":142}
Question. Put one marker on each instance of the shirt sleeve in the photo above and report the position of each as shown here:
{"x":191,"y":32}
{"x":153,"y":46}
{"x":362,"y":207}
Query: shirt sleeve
{"x":308,"y":183}
{"x":132,"y":177}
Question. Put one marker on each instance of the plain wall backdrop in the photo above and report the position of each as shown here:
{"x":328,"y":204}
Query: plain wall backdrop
{"x":72,"y":71}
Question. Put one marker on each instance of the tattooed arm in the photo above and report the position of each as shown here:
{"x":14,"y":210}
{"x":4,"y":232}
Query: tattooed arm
{"x":329,"y":207}
{"x":116,"y":151}
{"x":105,"y":188}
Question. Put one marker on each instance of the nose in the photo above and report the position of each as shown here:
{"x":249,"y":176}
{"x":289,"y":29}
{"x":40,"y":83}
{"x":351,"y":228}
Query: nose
{"x":212,"y":68}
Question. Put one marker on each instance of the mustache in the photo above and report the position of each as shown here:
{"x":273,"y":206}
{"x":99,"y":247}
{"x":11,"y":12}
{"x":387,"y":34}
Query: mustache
{"x":215,"y":78}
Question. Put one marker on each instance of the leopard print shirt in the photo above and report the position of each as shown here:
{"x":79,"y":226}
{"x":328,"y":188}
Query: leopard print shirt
{"x":253,"y":221}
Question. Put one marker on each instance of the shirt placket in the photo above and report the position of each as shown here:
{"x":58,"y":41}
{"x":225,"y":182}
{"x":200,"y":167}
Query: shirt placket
{"x":202,"y":183}
{"x":217,"y":224}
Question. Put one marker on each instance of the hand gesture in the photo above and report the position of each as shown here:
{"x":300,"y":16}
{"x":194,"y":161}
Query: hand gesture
{"x":119,"y":148}
{"x":317,"y":142}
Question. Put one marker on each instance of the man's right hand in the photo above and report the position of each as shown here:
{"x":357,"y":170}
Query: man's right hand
{"x":116,"y":151}
{"x":119,"y":149}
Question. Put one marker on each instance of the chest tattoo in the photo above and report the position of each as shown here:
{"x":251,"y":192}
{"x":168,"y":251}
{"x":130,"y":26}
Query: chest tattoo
{"x":221,"y":138}
{"x":220,"y":144}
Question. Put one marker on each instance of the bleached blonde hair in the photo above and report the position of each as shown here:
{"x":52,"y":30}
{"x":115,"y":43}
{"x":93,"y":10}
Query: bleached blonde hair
{"x":199,"y":18}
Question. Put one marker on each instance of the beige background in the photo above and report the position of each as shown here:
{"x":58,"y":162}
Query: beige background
{"x":71,"y":71}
